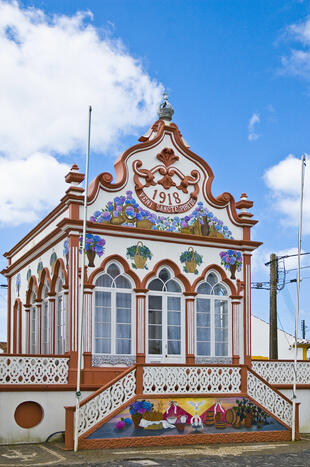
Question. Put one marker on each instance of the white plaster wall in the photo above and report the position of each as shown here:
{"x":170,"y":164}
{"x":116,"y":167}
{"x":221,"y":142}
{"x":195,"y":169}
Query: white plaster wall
{"x":162,"y":250}
{"x":39,"y":236}
{"x":303,"y":396}
{"x":52,"y":402}
{"x":260,"y":341}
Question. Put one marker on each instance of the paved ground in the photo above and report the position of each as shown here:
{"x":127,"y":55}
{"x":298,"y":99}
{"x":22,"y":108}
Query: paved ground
{"x":262,"y":455}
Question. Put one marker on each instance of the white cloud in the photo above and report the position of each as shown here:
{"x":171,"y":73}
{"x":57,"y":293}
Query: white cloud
{"x":283,"y":179}
{"x":28,"y":187}
{"x":298,"y":60}
{"x":52,"y":68}
{"x":254,"y":120}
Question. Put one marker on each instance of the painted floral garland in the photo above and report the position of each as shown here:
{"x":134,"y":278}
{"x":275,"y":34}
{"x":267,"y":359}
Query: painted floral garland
{"x":124,"y":210}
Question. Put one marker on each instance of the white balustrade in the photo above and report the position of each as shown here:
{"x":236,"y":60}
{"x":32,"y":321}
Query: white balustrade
{"x":282,"y":372}
{"x":191,"y":380}
{"x":33,"y":370}
{"x":104,"y":403}
{"x":270,"y":399}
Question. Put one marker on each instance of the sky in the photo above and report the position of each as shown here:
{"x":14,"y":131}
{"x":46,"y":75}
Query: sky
{"x":237,"y":74}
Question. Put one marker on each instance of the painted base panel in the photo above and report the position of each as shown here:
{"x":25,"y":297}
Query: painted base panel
{"x":185,"y":420}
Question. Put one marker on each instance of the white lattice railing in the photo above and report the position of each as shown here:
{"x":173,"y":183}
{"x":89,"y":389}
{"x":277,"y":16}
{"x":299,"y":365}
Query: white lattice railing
{"x":191,"y":380}
{"x":105,"y":402}
{"x":33,"y":370}
{"x":272,"y":400}
{"x":282,"y":372}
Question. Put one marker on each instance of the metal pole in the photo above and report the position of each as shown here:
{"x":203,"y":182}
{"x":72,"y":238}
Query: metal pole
{"x":273,"y":325}
{"x":303,"y":164}
{"x":81,"y":302}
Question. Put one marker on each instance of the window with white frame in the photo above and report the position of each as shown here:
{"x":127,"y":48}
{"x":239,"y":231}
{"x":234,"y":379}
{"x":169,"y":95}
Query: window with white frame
{"x":60,"y":319}
{"x":113,"y":320}
{"x":33,"y":348}
{"x":212,"y":318}
{"x":45,"y":323}
{"x":165,"y":318}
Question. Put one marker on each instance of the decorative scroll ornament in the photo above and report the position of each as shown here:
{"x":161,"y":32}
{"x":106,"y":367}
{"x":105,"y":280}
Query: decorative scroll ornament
{"x":174,"y":193}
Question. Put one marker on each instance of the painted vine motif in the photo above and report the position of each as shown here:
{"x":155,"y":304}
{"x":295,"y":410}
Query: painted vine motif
{"x":231,"y":260}
{"x":94,"y":245}
{"x":139,"y":254}
{"x":192,"y":259}
{"x":125,"y":210}
{"x":162,"y":417}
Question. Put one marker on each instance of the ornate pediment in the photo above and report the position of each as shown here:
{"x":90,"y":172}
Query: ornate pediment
{"x":164,"y":187}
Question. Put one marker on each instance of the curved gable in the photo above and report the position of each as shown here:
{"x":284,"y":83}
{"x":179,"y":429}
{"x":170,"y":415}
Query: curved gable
{"x":169,"y":183}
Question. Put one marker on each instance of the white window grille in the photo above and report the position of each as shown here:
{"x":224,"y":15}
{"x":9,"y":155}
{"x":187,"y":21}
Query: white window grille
{"x":34,"y":328}
{"x":60,"y":320}
{"x":113,"y":321}
{"x":165,"y":320}
{"x":45,"y":323}
{"x":213,"y":319}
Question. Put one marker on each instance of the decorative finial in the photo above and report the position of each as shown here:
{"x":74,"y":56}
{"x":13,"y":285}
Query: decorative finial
{"x":165,"y":110}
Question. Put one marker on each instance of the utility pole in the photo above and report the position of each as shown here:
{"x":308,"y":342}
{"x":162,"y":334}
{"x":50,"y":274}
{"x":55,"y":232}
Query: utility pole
{"x":273,"y":325}
{"x":303,"y":328}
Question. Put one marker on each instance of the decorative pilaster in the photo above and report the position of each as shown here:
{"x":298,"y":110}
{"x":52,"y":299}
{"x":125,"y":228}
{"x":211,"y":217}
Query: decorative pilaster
{"x":236,"y":329}
{"x":73,"y":290}
{"x":87,"y":327}
{"x":190,"y":327}
{"x":247,"y":308}
{"x":140,"y":324}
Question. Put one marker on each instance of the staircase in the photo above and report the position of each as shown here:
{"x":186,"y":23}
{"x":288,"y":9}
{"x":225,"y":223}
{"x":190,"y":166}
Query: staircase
{"x":217,"y":386}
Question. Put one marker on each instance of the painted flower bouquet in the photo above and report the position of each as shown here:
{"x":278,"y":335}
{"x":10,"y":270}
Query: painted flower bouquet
{"x":138,"y":409}
{"x":53,"y":260}
{"x":66,"y":251}
{"x":94,"y":245}
{"x":139,"y":254}
{"x":191,"y":259}
{"x":232,"y":260}
{"x":122,"y":423}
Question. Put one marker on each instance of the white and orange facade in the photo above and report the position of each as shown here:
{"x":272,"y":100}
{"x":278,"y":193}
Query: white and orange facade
{"x":167,"y":293}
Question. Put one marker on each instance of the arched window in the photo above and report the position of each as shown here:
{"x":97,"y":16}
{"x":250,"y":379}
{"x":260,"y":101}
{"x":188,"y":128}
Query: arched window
{"x":165,"y":324}
{"x":34,"y":326}
{"x":113,"y":320}
{"x":45,"y":322}
{"x":212,"y":318}
{"x":60,"y":318}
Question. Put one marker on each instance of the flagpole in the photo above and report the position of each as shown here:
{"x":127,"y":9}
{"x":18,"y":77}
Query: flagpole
{"x":81,"y":301}
{"x":303,"y":164}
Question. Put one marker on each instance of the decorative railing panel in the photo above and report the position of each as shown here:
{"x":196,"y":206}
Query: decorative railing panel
{"x":269,"y":398}
{"x":191,"y":380}
{"x":282,"y":372}
{"x":104,"y":403}
{"x":33,"y":370}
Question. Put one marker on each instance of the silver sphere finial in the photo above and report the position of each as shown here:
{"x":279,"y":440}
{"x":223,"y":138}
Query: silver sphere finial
{"x":165,"y":110}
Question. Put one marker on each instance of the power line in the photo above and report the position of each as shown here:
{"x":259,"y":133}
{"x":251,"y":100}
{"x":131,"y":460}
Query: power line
{"x":286,"y":256}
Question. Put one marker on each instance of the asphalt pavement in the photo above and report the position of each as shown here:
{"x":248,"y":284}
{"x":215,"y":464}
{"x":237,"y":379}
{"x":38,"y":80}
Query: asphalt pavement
{"x":260,"y":454}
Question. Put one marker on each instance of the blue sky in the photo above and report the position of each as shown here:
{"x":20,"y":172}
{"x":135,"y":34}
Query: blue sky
{"x":237,"y":74}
